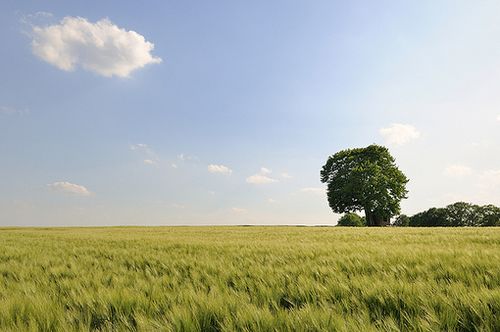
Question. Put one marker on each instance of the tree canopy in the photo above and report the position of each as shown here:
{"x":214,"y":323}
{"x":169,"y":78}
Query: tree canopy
{"x":365,"y":179}
{"x":458,"y":214}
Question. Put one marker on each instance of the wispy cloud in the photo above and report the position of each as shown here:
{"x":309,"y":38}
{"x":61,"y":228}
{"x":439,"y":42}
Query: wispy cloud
{"x":261,"y":177}
{"x":457,"y":171}
{"x":139,"y":146}
{"x":221,"y":169}
{"x":313,"y":190}
{"x":239,"y":210}
{"x":146,"y":151}
{"x":264,"y":170}
{"x":7,"y":110}
{"x":285,"y":175}
{"x":68,"y":187}
{"x":184,"y":157}
{"x":101,"y":47}
{"x":399,"y":134}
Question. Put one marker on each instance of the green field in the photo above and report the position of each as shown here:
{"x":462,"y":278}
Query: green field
{"x":250,"y":279}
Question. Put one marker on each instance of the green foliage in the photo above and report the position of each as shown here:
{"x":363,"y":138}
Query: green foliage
{"x":402,"y":221}
{"x":457,"y":215}
{"x":488,"y":215}
{"x":351,"y":219}
{"x":431,"y":217}
{"x":249,"y":279}
{"x":365,"y":179}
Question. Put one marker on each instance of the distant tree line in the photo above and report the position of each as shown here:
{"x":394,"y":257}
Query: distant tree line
{"x":458,"y":214}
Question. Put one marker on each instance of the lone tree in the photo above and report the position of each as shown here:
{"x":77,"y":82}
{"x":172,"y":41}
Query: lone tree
{"x":365,"y":179}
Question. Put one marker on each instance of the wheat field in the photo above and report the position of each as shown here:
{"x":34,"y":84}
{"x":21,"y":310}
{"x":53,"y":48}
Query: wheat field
{"x":249,"y":279}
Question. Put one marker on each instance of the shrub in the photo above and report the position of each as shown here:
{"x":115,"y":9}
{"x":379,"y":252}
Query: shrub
{"x":351,"y":219}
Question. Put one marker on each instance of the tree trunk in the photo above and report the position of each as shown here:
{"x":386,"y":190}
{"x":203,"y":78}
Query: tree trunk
{"x":372,"y":219}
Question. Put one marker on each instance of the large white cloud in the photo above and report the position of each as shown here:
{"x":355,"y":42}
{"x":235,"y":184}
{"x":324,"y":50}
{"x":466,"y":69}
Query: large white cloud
{"x":100,"y":47}
{"x":399,"y":134}
{"x":221,"y":169}
{"x":69,"y":187}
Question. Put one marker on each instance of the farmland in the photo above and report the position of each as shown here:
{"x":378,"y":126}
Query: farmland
{"x":250,"y":279}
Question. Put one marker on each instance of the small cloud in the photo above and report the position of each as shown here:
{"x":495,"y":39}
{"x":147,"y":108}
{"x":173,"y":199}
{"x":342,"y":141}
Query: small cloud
{"x":211,"y":192}
{"x":260,"y":179}
{"x":286,"y":175}
{"x":178,"y":206}
{"x":140,"y":146}
{"x":31,"y":19}
{"x":68,"y":187}
{"x":185,"y":157}
{"x":221,"y":169}
{"x":399,"y":134}
{"x":498,"y":117}
{"x":457,"y":171}
{"x":313,"y":190}
{"x":174,"y":165}
{"x":101,"y":47}
{"x":271,"y":200}
{"x":264,"y":170}
{"x":239,"y":210}
{"x":151,"y":158}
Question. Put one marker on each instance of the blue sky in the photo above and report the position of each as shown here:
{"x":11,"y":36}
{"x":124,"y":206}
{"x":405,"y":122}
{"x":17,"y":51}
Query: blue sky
{"x":230,"y":116}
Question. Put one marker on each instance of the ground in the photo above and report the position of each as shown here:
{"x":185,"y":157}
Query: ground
{"x":250,"y":279}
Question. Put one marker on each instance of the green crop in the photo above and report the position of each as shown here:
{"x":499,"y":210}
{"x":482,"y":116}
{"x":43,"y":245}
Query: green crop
{"x":249,"y":279}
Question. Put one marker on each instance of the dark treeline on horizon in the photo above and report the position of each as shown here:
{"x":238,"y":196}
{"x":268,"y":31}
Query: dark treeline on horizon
{"x":459,"y":214}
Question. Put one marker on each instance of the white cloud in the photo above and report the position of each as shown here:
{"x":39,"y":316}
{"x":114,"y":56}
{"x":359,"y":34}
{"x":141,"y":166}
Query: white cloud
{"x":174,"y":165}
{"x":100,"y":47}
{"x":457,"y":171}
{"x":271,"y":200}
{"x":221,"y":169}
{"x":139,"y":146}
{"x":286,"y":175}
{"x":260,"y":179}
{"x":313,"y":190}
{"x":68,"y":187}
{"x":264,"y":170}
{"x":239,"y":210}
{"x":185,"y":157}
{"x":498,"y":117}
{"x":150,"y":157}
{"x":399,"y":134}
